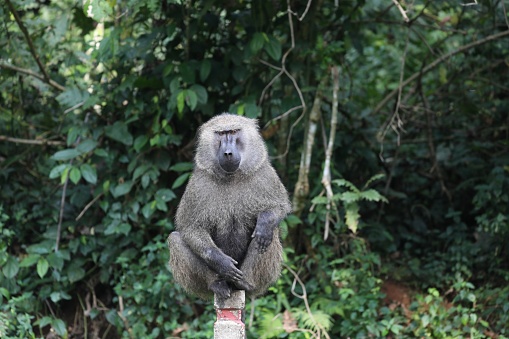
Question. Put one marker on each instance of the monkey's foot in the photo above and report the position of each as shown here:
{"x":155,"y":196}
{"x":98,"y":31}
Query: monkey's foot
{"x":221,"y":289}
{"x":244,"y":285}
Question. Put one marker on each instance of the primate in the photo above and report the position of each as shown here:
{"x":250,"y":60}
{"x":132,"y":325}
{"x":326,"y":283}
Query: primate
{"x":227,"y":234}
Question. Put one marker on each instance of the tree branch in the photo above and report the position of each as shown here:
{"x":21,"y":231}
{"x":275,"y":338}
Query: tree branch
{"x":326,"y":176}
{"x":31,"y":141}
{"x":435,"y":64}
{"x":32,"y":73}
{"x":46,"y":77}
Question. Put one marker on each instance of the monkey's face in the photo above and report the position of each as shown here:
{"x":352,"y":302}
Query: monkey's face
{"x":229,"y":143}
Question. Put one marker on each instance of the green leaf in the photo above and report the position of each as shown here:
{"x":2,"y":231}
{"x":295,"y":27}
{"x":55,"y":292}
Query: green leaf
{"x":191,"y":99}
{"x":29,"y":260}
{"x":55,"y":261}
{"x":319,"y":200}
{"x":42,"y":267}
{"x":345,"y":183}
{"x":59,"y":327}
{"x":182,"y":167}
{"x":124,"y":228}
{"x":273,"y":48}
{"x":181,"y":97}
{"x":149,"y":209}
{"x":75,"y":273}
{"x":293,"y":220}
{"x":57,"y":171}
{"x":89,"y":173}
{"x":252,"y":110}
{"x":121,"y":189}
{"x":180,"y":180}
{"x":113,"y":317}
{"x":57,"y":296}
{"x":75,"y":175}
{"x":372,"y":195}
{"x":205,"y":67}
{"x":40,"y":248}
{"x":72,"y":96}
{"x":165,"y":194}
{"x":257,"y":42}
{"x":352,"y":217}
{"x":11,"y":267}
{"x":66,"y":154}
{"x":44,"y":321}
{"x":72,"y":135}
{"x":139,"y":142}
{"x":349,"y":197}
{"x":98,"y":10}
{"x":119,"y":132}
{"x":65,"y":174}
{"x":5,"y":292}
{"x":374,"y":178}
{"x":86,"y":146}
{"x":201,"y":93}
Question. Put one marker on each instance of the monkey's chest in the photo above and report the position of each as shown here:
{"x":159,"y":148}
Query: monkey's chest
{"x":233,"y":236}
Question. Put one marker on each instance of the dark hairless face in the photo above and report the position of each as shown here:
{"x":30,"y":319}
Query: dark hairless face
{"x":229,"y":150}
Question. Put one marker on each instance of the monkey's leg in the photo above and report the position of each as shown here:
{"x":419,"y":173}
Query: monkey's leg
{"x":262,"y":269}
{"x":192,"y":273}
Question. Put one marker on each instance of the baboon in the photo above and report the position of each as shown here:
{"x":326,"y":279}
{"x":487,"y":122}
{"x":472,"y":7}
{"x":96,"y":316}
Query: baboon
{"x":227,"y":234}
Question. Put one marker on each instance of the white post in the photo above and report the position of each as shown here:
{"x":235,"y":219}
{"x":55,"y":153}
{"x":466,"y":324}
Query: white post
{"x":229,"y":324}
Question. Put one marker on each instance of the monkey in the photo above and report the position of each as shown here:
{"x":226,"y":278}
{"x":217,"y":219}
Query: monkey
{"x":227,"y":233}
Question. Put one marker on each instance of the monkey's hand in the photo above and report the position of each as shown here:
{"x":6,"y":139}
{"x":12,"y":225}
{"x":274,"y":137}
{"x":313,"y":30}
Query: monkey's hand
{"x":224,"y":265}
{"x":263,"y":237}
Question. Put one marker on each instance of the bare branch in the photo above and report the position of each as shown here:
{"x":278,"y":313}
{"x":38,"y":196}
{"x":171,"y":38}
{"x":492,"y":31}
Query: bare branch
{"x":32,"y":73}
{"x":303,"y":296}
{"x":435,"y":64}
{"x":62,"y":200}
{"x":28,"y":39}
{"x":505,"y":13}
{"x":395,"y":122}
{"x":401,"y":10}
{"x":88,"y":206}
{"x":326,"y":176}
{"x":31,"y":141}
{"x":470,"y":3}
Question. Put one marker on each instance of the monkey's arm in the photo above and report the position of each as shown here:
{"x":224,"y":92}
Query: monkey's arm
{"x":200,"y":242}
{"x":268,"y":220}
{"x":264,"y":231}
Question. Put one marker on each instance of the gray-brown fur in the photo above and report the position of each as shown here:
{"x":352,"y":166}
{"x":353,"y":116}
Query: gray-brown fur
{"x":227,"y":232}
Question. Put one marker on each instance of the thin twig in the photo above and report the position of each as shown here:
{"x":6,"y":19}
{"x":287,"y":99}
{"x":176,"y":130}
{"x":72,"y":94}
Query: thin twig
{"x":32,"y":73}
{"x":470,"y":3}
{"x":62,"y":200}
{"x":431,"y":144}
{"x":395,"y":122}
{"x":89,"y":205}
{"x":282,"y":70}
{"x":28,"y":39}
{"x":31,"y":141}
{"x":61,"y":213}
{"x":124,"y":319}
{"x":401,"y":10}
{"x":435,"y":64}
{"x":304,"y":298}
{"x":505,"y":14}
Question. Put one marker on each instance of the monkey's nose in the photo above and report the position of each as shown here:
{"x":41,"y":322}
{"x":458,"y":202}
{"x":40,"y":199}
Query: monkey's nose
{"x":228,"y":153}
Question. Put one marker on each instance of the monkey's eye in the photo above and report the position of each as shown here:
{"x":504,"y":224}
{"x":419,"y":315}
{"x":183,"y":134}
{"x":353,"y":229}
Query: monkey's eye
{"x":233,"y":131}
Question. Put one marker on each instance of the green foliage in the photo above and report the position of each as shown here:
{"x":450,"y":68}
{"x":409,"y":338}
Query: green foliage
{"x":99,"y":156}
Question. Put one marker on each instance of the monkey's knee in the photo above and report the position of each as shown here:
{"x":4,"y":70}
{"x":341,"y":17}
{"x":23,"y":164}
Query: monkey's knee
{"x":188,"y":269}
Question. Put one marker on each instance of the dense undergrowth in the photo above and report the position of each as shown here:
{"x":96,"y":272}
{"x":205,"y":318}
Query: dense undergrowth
{"x":99,"y":105}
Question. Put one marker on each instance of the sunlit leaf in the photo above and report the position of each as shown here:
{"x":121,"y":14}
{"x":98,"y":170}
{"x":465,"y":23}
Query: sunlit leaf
{"x":42,"y":267}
